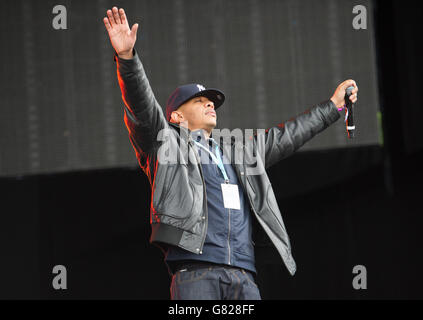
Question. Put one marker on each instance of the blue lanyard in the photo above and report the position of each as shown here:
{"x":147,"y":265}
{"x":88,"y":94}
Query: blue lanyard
{"x":217,"y":160}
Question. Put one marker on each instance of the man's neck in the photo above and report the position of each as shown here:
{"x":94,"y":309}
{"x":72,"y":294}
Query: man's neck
{"x":206,"y":132}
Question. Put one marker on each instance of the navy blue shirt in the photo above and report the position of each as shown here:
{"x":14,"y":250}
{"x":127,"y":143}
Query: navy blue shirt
{"x":229,"y":231}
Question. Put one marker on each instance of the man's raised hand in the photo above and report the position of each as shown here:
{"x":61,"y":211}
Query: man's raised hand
{"x":122,"y":38}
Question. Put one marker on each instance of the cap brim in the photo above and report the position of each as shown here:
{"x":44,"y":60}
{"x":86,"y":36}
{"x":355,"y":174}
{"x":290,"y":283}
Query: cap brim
{"x":217,"y":96}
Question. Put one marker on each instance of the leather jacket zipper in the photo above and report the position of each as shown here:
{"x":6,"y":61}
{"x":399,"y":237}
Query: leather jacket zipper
{"x":229,"y":236}
{"x":245,"y":187}
{"x":229,"y":232}
{"x":243,"y":182}
{"x":204,"y":194}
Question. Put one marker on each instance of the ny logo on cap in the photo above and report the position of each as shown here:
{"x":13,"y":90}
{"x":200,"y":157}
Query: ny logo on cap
{"x":200,"y":87}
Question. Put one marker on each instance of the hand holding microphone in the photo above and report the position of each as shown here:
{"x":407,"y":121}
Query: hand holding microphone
{"x":349,"y":115}
{"x":345,"y":96}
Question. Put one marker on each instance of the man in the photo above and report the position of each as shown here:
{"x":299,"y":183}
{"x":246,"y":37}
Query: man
{"x":204,"y":205}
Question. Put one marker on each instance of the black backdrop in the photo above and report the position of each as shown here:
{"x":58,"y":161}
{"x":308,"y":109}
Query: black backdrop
{"x":96,"y":223}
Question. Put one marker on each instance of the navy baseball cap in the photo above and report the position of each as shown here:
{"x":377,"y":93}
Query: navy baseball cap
{"x":188,"y":91}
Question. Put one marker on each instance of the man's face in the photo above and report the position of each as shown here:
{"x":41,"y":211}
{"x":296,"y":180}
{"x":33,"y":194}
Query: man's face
{"x":198,"y":112}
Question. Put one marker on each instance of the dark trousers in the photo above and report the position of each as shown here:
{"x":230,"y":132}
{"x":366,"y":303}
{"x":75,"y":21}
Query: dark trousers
{"x":213,"y":282}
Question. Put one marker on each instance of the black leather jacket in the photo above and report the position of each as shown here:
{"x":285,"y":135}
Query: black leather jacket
{"x":178,"y":198}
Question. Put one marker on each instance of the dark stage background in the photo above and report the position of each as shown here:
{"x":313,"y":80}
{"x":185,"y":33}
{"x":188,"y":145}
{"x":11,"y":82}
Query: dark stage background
{"x":345,"y":203}
{"x":273,"y":59}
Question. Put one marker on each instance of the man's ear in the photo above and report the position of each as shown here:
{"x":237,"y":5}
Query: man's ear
{"x":176,"y":117}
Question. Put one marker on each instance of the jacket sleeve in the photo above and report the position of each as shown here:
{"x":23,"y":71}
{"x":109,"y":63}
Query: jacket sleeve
{"x":284,"y":139}
{"x":142,"y":113}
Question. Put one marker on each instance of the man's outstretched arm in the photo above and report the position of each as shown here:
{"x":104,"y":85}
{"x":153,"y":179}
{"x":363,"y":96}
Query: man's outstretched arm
{"x":143,"y":115}
{"x":287,"y":137}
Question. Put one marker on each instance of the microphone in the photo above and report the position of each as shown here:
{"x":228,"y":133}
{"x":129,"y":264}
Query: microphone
{"x":349,"y":113}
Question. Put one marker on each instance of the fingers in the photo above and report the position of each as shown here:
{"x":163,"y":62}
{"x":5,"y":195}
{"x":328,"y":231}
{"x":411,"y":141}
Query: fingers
{"x":134,"y":29}
{"x":111,"y":19}
{"x":349,"y":83}
{"x":355,"y":90}
{"x":116,"y":15}
{"x":353,"y":98}
{"x":123,"y":17}
{"x":107,"y":24}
